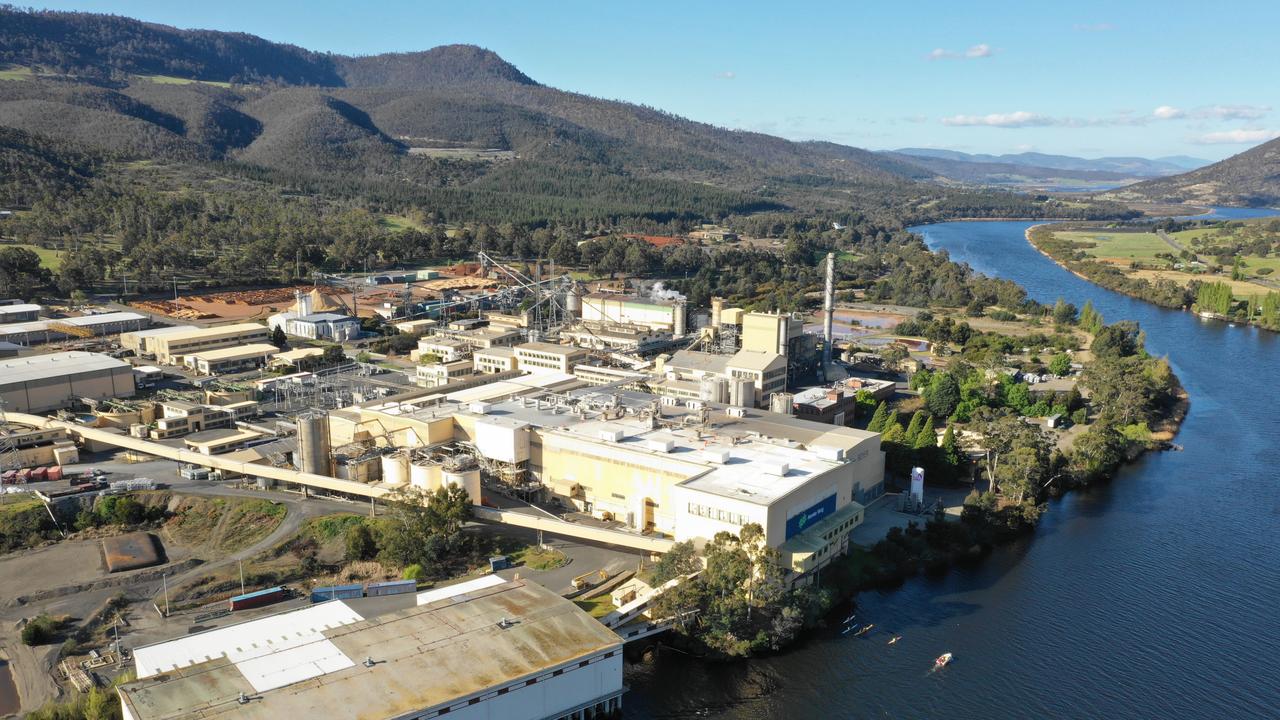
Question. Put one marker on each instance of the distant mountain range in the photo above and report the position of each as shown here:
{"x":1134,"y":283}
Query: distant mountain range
{"x":1251,"y":178}
{"x":1116,"y":167}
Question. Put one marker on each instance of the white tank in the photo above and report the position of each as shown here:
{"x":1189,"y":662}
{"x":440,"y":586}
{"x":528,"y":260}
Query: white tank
{"x":424,"y":475}
{"x":573,"y":302}
{"x":742,"y":392}
{"x":395,"y":469}
{"x":680,"y":321}
{"x":468,"y":480}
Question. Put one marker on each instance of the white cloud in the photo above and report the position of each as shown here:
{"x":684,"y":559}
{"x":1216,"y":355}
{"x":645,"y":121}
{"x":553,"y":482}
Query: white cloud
{"x":1024,"y":147}
{"x":1212,"y":112}
{"x":981,"y":50}
{"x":726,"y":75}
{"x":1236,"y":137}
{"x":1017,"y":119}
{"x":1093,"y":27}
{"x":1232,"y":112}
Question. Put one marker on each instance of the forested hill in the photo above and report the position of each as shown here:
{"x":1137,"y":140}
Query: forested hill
{"x":455,"y":129}
{"x":1251,"y":178}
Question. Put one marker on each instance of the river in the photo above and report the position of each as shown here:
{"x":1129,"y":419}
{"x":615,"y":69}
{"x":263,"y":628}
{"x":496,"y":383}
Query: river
{"x":1157,"y":595}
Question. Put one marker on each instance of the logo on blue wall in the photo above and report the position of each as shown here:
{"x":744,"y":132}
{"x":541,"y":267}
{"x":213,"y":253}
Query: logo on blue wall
{"x":797,"y":523}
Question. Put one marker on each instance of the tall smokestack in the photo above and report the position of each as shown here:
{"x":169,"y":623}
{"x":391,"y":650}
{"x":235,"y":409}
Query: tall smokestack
{"x":828,"y":302}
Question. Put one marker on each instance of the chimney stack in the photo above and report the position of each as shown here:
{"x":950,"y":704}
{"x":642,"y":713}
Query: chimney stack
{"x":828,"y":302}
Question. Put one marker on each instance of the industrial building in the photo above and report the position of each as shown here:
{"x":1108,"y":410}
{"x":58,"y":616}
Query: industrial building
{"x":19,"y":312}
{"x":536,"y":357}
{"x":40,"y":383}
{"x":85,"y":326}
{"x":662,"y":315}
{"x":141,"y":342}
{"x":443,"y":373}
{"x":240,"y":358}
{"x":486,"y":649}
{"x":620,"y":337}
{"x":494,"y":360}
{"x":684,"y":469}
{"x":334,"y":327}
{"x":172,"y":347}
{"x":746,"y":378}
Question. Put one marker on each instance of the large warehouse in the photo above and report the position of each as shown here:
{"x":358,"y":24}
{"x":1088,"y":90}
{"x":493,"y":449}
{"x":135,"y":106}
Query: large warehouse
{"x":171,"y":348}
{"x":487,"y":649}
{"x":663,"y":315}
{"x":48,"y":382}
{"x":43,"y":331}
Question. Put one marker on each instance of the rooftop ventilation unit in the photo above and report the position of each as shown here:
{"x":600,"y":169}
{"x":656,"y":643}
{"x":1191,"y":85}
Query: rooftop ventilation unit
{"x":774,"y":467}
{"x":611,"y":435}
{"x":668,"y":400}
{"x":737,"y":412}
{"x":662,"y":445}
{"x":480,"y":408}
{"x":693,"y":404}
{"x":719,"y":456}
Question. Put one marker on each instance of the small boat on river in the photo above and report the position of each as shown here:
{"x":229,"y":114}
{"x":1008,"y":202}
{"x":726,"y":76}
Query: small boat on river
{"x":942,"y":661}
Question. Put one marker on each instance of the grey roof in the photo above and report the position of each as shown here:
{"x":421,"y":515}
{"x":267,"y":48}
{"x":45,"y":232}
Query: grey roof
{"x":701,"y":361}
{"x":40,"y":367}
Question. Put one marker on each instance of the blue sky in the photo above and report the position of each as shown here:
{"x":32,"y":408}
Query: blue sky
{"x":1089,"y":78}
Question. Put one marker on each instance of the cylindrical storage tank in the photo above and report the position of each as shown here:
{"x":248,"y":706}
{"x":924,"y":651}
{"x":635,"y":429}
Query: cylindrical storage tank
{"x":714,"y":389}
{"x":780,"y":403}
{"x":468,"y":480}
{"x":395,"y":468}
{"x":424,"y":474}
{"x":742,"y":392}
{"x":313,"y":443}
{"x":573,"y":302}
{"x":680,"y":320}
{"x":717,"y":307}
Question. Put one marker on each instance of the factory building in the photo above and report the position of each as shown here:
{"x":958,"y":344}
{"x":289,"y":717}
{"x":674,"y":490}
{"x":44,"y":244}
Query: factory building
{"x":539,"y":357}
{"x":494,"y":360}
{"x":446,"y":349}
{"x":240,"y":358}
{"x":334,"y":327}
{"x":171,"y":348}
{"x":443,"y":373}
{"x":142,"y":342}
{"x":618,"y":337}
{"x":747,"y":377}
{"x":486,"y":649}
{"x":662,"y":315}
{"x":49,"y":382}
{"x":685,"y":469}
{"x":43,"y":331}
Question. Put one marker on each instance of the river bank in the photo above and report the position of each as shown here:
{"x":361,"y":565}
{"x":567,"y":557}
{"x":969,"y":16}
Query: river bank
{"x":1164,"y":292}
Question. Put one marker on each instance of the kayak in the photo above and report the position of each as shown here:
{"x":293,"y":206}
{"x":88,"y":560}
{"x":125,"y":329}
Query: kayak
{"x":866,"y":629}
{"x":942,"y":660}
{"x":894,"y":639}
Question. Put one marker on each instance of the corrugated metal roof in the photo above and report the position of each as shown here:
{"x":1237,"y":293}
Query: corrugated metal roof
{"x":40,"y":367}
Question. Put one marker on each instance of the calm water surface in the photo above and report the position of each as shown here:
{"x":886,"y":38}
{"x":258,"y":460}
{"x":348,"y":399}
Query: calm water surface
{"x":1156,"y":596}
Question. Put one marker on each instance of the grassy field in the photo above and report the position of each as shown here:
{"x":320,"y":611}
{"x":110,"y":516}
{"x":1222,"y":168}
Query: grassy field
{"x":16,"y":72}
{"x":537,"y":559}
{"x":1121,"y":247}
{"x":51,"y":259}
{"x":399,"y":222}
{"x":170,"y":80}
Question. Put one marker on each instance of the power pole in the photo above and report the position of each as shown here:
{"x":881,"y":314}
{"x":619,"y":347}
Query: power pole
{"x":175,"y":288}
{"x":241,"y":577}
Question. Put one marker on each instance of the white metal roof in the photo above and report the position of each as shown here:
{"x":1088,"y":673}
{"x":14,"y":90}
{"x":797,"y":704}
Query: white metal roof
{"x":40,"y":367}
{"x":24,"y":307}
{"x":101,"y":318}
{"x":462,"y":588}
{"x":270,"y":652}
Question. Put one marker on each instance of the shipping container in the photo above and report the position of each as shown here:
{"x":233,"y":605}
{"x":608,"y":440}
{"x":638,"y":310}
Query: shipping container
{"x":394,"y":587}
{"x":24,"y":475}
{"x":9,"y":477}
{"x":257,"y":599}
{"x":336,"y":592}
{"x":40,"y":474}
{"x":55,"y":472}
